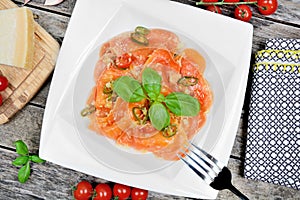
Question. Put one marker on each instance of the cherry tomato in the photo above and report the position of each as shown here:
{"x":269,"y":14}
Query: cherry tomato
{"x":243,"y":12}
{"x":121,"y":191}
{"x":139,"y":194}
{"x":214,"y":8}
{"x":267,"y":7}
{"x":231,"y":1}
{"x":83,"y":191}
{"x":102,"y":192}
{"x":3,"y":83}
{"x":1,"y":100}
{"x":124,"y":61}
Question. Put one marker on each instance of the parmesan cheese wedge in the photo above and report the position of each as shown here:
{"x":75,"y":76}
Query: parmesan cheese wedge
{"x":17,"y":37}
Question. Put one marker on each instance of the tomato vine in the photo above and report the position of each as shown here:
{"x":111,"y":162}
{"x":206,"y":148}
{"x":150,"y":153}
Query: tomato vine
{"x":242,"y":7}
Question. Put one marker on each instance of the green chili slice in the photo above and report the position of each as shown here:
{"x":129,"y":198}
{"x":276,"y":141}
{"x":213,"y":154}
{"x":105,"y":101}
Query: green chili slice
{"x":142,"y":30}
{"x":139,"y":38}
{"x":188,"y":81}
{"x":140,"y":114}
{"x":88,"y":110}
{"x":108,"y":88}
{"x":170,"y":131}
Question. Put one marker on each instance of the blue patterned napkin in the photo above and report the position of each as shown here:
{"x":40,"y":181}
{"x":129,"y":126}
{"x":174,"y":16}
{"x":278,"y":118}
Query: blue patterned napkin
{"x":273,"y":138}
{"x":283,"y":44}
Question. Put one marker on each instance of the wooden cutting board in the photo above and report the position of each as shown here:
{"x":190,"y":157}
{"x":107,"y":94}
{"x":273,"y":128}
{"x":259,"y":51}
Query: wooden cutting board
{"x":24,"y":83}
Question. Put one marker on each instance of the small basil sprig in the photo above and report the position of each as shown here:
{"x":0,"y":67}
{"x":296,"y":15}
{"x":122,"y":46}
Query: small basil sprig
{"x":130,"y":90}
{"x":23,"y":160}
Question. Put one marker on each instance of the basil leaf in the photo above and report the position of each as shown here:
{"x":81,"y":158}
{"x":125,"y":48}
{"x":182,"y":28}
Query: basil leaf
{"x":129,"y":89}
{"x":159,"y":116}
{"x":21,"y":148}
{"x":36,"y":159}
{"x":21,"y":160}
{"x":151,"y":81}
{"x":182,"y":104}
{"x":24,"y":173}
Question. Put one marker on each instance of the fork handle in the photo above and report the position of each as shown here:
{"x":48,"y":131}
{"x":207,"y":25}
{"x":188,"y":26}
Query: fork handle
{"x":237,"y":192}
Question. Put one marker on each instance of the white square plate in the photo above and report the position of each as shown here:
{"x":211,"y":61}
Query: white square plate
{"x":226,"y":45}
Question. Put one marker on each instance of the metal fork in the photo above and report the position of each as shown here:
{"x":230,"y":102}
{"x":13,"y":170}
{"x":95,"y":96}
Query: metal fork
{"x":212,"y":171}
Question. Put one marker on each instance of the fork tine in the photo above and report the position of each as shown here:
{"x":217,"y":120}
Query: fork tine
{"x":198,"y":169}
{"x":213,"y":159}
{"x":204,"y":162}
{"x":206,"y":166}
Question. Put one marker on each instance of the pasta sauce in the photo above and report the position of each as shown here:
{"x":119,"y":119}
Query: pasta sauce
{"x":127,"y":123}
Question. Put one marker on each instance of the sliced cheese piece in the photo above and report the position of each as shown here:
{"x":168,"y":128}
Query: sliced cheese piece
{"x":17,"y":37}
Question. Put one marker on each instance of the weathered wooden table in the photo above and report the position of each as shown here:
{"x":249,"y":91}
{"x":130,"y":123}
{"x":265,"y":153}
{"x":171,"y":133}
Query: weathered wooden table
{"x":51,"y":181}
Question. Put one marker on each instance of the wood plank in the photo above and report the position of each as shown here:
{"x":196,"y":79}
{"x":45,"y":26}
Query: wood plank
{"x":55,"y":24}
{"x":264,"y":30}
{"x":25,"y":125}
{"x":11,"y":195}
{"x":40,"y":98}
